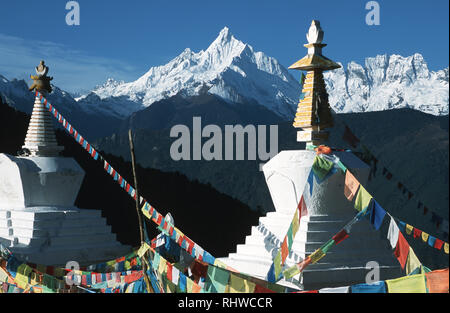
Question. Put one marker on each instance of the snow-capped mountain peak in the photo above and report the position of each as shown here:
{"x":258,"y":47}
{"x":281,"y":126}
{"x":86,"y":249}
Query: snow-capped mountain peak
{"x":228,"y":68}
{"x":389,"y":82}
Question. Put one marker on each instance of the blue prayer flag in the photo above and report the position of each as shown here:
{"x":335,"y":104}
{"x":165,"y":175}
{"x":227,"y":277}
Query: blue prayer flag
{"x":377,"y":214}
{"x":377,"y":287}
{"x":182,"y":282}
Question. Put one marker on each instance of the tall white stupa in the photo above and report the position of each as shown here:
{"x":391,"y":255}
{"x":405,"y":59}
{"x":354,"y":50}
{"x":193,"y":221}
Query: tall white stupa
{"x":39,"y":222}
{"x":328,"y":209}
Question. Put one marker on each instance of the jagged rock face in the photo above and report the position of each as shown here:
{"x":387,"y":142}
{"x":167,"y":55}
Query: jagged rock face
{"x":389,"y":82}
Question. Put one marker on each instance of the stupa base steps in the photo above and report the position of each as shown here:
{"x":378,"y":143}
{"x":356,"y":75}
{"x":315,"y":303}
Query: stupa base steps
{"x":52,"y":236}
{"x":315,"y":276}
{"x":344,"y":263}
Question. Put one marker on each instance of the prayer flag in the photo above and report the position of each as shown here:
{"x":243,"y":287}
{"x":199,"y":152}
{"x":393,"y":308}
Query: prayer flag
{"x":240,"y":285}
{"x":217,"y":279}
{"x":437,"y":281}
{"x":362,"y":199}
{"x":407,"y":284}
{"x":431,"y":241}
{"x":340,"y":236}
{"x":316,"y":256}
{"x":401,"y":250}
{"x":377,"y":214}
{"x":377,"y":287}
{"x":417,"y":233}
{"x":321,"y":166}
{"x":327,"y":246}
{"x":438,"y":244}
{"x":393,"y":233}
{"x":409,"y":229}
{"x":351,"y":186}
{"x":412,"y":263}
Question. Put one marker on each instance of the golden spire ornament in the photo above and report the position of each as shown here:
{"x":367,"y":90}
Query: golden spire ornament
{"x":314,"y":112}
{"x":41,"y":82}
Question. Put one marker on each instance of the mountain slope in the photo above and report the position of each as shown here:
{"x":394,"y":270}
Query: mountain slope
{"x":212,"y":109}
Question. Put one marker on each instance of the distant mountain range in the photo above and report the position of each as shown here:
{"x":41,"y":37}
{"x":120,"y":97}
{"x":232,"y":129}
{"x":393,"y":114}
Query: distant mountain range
{"x":234,"y":73}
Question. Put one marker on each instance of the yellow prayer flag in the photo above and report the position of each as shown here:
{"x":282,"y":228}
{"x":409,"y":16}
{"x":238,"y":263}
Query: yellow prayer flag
{"x":446,"y":247}
{"x":362,"y":199}
{"x":295,"y":223}
{"x":219,"y":264}
{"x":424,"y":236}
{"x":316,"y":255}
{"x":143,"y":249}
{"x":22,"y":275}
{"x":192,"y":287}
{"x":407,"y":284}
{"x":240,"y":285}
{"x":413,"y":262}
{"x":162,"y":265}
{"x":409,"y":229}
{"x":145,"y":211}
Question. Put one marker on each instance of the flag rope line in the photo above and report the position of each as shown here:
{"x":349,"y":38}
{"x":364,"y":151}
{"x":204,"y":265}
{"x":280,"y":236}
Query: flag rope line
{"x":149,"y":211}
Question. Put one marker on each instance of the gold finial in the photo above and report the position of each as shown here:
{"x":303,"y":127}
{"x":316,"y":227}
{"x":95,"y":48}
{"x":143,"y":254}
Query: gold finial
{"x":313,"y":112}
{"x":41,"y":82}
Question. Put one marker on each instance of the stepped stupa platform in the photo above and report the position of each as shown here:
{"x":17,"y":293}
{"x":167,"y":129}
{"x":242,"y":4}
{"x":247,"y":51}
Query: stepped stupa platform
{"x":328,"y":210}
{"x":39,"y":222}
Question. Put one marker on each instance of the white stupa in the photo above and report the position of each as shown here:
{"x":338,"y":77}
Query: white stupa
{"x":39,"y":222}
{"x":328,"y":210}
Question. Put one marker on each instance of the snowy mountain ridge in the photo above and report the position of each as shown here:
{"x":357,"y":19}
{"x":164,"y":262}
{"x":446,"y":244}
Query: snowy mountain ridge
{"x":388,"y":82}
{"x":228,"y":68}
{"x":236,"y":73}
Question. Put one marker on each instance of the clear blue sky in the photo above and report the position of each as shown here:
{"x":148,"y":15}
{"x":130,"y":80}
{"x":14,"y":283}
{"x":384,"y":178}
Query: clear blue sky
{"x":123,"y":39}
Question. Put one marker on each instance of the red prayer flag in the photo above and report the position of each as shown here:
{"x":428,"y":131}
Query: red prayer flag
{"x":284,"y":250}
{"x":438,"y":244}
{"x":169,"y":271}
{"x":401,"y":250}
{"x":340,"y":236}
{"x":261,"y":289}
{"x":302,"y":209}
{"x":417,"y":233}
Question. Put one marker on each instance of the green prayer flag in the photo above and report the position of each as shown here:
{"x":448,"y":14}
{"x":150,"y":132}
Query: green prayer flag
{"x":342,"y":166}
{"x":291,"y":272}
{"x":217,"y":279}
{"x":327,"y":246}
{"x":362,"y":199}
{"x":290,"y":237}
{"x":321,"y":167}
{"x":277,"y":264}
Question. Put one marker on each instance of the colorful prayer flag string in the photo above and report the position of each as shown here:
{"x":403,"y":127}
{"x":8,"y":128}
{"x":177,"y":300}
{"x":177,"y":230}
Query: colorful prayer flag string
{"x":190,"y":245}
